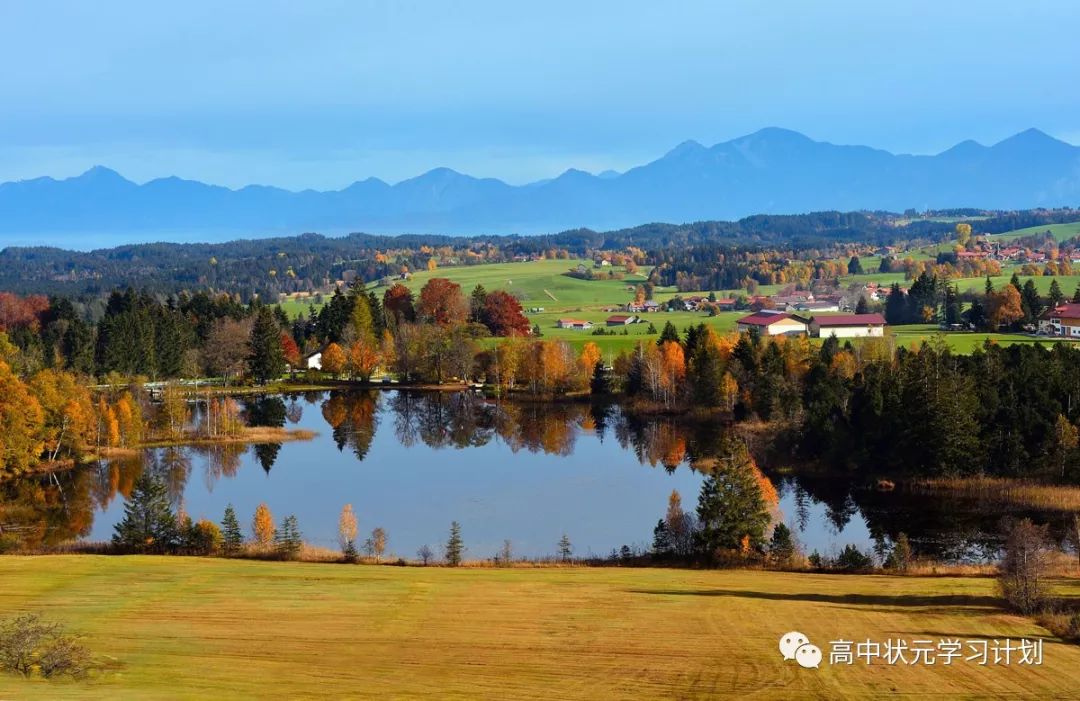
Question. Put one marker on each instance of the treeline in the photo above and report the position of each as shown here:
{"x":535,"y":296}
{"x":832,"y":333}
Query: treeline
{"x":311,"y":262}
{"x":1013,"y":307}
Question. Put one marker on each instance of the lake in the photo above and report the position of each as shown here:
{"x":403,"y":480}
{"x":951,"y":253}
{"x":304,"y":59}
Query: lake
{"x":412,"y":462}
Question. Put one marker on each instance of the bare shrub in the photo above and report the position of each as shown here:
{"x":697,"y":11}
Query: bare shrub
{"x":1023,"y":570}
{"x":29,"y":646}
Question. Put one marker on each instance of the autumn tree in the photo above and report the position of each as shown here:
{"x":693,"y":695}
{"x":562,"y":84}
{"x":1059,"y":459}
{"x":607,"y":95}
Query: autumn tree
{"x":347,"y":531}
{"x":441,"y":302}
{"x":227,"y":348}
{"x":501,"y":312}
{"x":262,"y":526}
{"x":172,"y":411}
{"x":398,"y":305}
{"x":334,"y":360}
{"x":376,"y":544}
{"x":963,"y":233}
{"x":22,"y":425}
{"x":363,"y":358}
{"x":290,"y":350}
{"x":1004,"y":308}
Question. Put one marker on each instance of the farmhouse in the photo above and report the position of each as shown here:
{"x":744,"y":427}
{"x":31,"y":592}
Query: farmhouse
{"x":773,"y":324}
{"x":313,"y":361}
{"x":620,"y":319}
{"x":1062,"y":320}
{"x":576,"y":324}
{"x":847,"y":325}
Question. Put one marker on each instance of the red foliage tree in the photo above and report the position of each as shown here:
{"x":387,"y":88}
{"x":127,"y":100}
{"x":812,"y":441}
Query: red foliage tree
{"x":291,"y":350}
{"x":503,"y":316}
{"x":398,"y":304}
{"x":16,"y":311}
{"x":441,"y":302}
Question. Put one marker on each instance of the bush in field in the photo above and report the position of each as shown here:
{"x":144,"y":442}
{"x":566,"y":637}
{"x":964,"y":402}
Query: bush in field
{"x":1022,"y":572}
{"x":29,"y":646}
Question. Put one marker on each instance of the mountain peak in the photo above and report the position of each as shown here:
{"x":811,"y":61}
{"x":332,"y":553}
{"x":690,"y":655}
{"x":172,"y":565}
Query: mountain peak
{"x":686,"y":148}
{"x":1028,"y":138}
{"x":101,"y":173}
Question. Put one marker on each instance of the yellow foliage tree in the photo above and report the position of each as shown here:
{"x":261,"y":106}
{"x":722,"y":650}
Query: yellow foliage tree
{"x":262,"y":526}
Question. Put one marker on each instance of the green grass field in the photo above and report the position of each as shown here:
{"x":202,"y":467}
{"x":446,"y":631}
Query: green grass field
{"x":1060,"y":232}
{"x":208,"y":628}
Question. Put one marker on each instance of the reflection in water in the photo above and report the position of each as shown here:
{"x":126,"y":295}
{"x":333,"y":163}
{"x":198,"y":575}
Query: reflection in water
{"x":579,"y":480}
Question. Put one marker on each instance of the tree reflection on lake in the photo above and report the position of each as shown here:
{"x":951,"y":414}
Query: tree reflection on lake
{"x":411,"y":462}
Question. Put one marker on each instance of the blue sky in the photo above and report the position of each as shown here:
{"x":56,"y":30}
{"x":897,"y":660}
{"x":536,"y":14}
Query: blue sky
{"x":320,"y":94}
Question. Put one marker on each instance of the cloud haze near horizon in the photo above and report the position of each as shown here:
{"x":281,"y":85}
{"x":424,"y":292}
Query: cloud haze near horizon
{"x":321,"y":94}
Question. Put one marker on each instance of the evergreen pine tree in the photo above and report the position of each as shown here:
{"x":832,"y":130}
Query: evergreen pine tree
{"x":149,"y":524}
{"x":854,"y":266}
{"x":565,"y":548}
{"x":287,"y":539}
{"x":600,"y":384}
{"x":862,"y":307}
{"x":661,"y":541}
{"x":1056,"y":295}
{"x":670,"y":333}
{"x":896,"y":306}
{"x":455,"y":548}
{"x":732,"y":513}
{"x":267,"y":359}
{"x":232,"y":536}
{"x":782,"y":545}
{"x":1076,"y":295}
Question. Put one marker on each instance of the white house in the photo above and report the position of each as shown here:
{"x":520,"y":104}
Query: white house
{"x":576,"y":324}
{"x":313,"y":361}
{"x":847,"y":325}
{"x":1062,"y":320}
{"x":773,"y":324}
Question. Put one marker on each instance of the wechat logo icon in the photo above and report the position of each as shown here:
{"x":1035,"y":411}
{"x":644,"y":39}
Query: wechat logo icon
{"x":796,"y":646}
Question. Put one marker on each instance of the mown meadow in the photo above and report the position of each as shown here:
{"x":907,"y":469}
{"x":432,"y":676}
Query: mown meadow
{"x":211,"y":628}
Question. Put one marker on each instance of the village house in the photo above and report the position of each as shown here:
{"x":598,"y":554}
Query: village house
{"x":1063,"y":320}
{"x":725,"y":304}
{"x":847,"y":325}
{"x":827,"y":306}
{"x":576,"y":324}
{"x":620,"y":319}
{"x":769,"y":323}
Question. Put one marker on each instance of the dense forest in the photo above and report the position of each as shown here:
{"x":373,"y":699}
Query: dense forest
{"x":311,"y":262}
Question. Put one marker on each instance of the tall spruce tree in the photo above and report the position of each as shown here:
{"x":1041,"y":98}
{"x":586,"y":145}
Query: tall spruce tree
{"x":267,"y":359}
{"x":455,"y":547}
{"x":732,"y":513}
{"x":149,"y":524}
{"x":232,"y":535}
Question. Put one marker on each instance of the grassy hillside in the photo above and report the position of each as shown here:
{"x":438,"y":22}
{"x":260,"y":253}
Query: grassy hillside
{"x":543,"y":284}
{"x":195,"y":628}
{"x":1060,"y":231}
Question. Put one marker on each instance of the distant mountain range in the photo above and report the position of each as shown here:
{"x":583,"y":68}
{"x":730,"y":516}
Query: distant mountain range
{"x":772,"y":171}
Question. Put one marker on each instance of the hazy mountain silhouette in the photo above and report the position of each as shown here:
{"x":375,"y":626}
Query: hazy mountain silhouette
{"x":770,"y":171}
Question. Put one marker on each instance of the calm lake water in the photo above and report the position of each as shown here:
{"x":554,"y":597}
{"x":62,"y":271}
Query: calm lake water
{"x":413,"y":462}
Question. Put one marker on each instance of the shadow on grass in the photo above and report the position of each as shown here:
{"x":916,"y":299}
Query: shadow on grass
{"x":876,"y":600}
